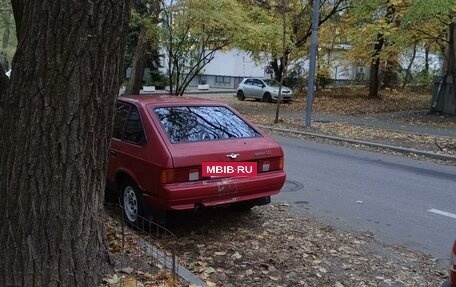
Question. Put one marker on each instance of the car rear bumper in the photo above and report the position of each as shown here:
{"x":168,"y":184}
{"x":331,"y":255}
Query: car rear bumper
{"x":451,"y":282}
{"x":285,"y":97}
{"x":214,"y":192}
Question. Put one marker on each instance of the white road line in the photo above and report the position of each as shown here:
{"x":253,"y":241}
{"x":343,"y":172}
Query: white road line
{"x":444,"y":213}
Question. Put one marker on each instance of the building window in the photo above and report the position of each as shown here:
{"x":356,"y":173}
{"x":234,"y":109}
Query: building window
{"x":222,"y":79}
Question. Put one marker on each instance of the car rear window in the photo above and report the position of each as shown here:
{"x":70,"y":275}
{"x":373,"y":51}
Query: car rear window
{"x":202,"y":123}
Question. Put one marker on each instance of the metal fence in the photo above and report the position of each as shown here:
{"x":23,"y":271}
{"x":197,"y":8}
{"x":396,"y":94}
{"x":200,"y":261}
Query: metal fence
{"x":149,"y":248}
{"x":142,"y":256}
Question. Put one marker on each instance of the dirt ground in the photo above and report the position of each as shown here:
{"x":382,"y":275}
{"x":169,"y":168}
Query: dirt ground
{"x":272,"y":246}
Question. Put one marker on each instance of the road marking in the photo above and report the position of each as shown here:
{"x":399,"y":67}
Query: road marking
{"x":444,"y":213}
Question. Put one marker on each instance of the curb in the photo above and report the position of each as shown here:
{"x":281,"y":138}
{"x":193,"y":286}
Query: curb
{"x":167,"y":261}
{"x":383,"y":146}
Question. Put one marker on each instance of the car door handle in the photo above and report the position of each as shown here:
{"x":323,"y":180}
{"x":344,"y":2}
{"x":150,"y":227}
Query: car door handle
{"x":112,"y":152}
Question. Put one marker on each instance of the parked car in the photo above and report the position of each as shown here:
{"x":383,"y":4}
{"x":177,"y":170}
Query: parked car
{"x":451,"y":282}
{"x":159,"y":147}
{"x":262,"y":89}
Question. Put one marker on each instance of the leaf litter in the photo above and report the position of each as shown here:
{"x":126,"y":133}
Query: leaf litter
{"x":273,"y":246}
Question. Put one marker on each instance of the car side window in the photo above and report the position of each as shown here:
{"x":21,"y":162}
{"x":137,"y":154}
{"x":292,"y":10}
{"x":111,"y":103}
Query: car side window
{"x":119,"y":119}
{"x":134,"y":131}
{"x":248,"y":82}
{"x":257,"y":83}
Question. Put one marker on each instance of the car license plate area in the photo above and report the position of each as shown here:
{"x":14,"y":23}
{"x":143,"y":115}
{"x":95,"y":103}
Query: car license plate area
{"x":229,"y":169}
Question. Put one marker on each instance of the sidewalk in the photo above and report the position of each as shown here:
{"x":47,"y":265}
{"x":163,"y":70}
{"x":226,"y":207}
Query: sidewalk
{"x":380,"y":121}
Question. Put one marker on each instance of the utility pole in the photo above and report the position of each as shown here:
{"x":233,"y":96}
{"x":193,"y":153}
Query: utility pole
{"x":312,"y":62}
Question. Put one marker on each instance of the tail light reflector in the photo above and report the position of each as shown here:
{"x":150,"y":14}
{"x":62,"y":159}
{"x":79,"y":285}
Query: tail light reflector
{"x":180,"y":175}
{"x":167,"y":176}
{"x":271,"y":164}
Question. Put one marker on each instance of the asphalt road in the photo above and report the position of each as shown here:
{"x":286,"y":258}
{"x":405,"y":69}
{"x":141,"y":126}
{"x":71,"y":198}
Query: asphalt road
{"x":400,"y":200}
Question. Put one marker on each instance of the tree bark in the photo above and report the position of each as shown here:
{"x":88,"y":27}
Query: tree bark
{"x":408,"y":72}
{"x":139,"y":63}
{"x":374,"y":77}
{"x":278,"y":67}
{"x":55,"y":132}
{"x":426,"y":59}
{"x":451,"y":68}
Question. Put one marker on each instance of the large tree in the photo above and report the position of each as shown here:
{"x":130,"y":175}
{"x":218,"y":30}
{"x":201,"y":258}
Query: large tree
{"x":376,"y":38}
{"x":299,"y":29}
{"x":56,"y":121}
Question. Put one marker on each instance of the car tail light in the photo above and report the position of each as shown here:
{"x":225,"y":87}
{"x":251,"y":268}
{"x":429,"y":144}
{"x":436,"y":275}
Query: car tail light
{"x":180,"y":175}
{"x":167,"y":176}
{"x":270,"y":164}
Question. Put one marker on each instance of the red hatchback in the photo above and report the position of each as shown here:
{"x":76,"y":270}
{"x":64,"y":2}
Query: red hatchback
{"x":452,"y":275}
{"x":160,"y":145}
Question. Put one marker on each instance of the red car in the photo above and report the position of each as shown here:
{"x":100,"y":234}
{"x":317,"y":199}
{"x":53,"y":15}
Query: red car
{"x":452,"y":274}
{"x":177,"y":153}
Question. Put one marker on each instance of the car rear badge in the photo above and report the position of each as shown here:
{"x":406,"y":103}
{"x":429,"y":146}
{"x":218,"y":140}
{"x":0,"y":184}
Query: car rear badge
{"x":232,"y":155}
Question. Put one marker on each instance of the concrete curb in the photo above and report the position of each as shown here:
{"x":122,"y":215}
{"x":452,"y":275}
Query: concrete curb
{"x":352,"y":141}
{"x":167,"y":261}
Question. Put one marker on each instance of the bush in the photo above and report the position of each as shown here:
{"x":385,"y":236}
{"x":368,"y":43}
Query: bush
{"x":158,"y":79}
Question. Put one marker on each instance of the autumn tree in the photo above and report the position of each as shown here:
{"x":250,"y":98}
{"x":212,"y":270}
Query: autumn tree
{"x":192,"y":32}
{"x":300,"y":25}
{"x":434,"y":21}
{"x":374,"y":36}
{"x":442,"y":14}
{"x":56,"y":120}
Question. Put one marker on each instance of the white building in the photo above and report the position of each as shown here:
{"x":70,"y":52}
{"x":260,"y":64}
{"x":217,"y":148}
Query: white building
{"x":228,"y":68}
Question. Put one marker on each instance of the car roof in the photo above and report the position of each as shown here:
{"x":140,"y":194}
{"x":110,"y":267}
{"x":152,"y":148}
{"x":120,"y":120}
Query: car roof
{"x":253,"y":78}
{"x":160,"y":100}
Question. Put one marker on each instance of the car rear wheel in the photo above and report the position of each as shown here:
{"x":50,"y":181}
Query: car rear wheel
{"x":240,"y":95}
{"x":267,"y":98}
{"x":132,"y":204}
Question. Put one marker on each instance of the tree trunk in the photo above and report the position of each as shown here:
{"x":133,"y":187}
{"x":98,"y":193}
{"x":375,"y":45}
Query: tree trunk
{"x":409,"y":67}
{"x":452,"y":57}
{"x":426,"y":59}
{"x":451,"y":68}
{"x":374,"y":78}
{"x":4,"y":84}
{"x":55,"y":132}
{"x":279,"y":67}
{"x":139,"y":63}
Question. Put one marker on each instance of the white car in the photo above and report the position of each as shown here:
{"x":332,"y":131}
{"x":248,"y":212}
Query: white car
{"x":262,"y":89}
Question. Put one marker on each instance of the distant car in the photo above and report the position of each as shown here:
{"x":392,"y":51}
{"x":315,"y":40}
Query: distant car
{"x":160,"y":143}
{"x":452,"y":271}
{"x":262,"y":89}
